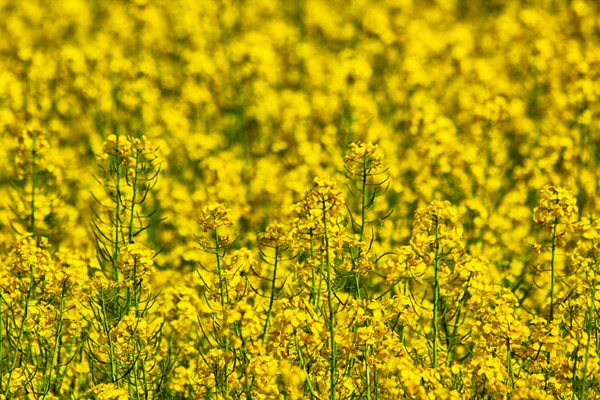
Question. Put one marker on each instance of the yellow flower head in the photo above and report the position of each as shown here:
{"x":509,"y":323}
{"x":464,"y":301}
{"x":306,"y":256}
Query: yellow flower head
{"x":556,"y":205}
{"x":128,"y":151}
{"x":363,"y":158}
{"x":108,"y":391}
{"x":136,"y":258}
{"x":214,"y":215}
{"x":277,"y":234}
{"x":31,"y":151}
{"x":436,"y":213}
{"x":325,"y":195}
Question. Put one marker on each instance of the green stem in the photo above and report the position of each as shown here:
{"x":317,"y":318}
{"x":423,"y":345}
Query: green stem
{"x":272,"y":294}
{"x":303,"y":365}
{"x":436,"y":293}
{"x":33,"y":185}
{"x":574,"y":371}
{"x":553,"y":279}
{"x":13,"y":363}
{"x":313,"y":296}
{"x":332,"y":365}
{"x":363,"y":210}
{"x":452,"y":338}
{"x":318,"y":302}
{"x":56,"y":349}
{"x":368,"y":373}
{"x":218,"y":257}
{"x":1,"y":341}
{"x":135,"y":378}
{"x":222,"y":291}
{"x":509,"y":364}
{"x":588,"y":331}
{"x":363,"y":200}
{"x":111,"y":352}
{"x":133,"y":197}
{"x":117,"y":202}
{"x":247,"y":383}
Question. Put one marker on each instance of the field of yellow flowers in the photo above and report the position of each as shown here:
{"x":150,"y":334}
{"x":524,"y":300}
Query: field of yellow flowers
{"x":309,"y":199}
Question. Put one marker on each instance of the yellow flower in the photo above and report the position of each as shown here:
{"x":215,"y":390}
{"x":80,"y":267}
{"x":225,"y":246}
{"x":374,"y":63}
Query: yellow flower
{"x":108,"y":391}
{"x":214,"y":215}
{"x":363,"y":159}
{"x":556,"y":205}
{"x":136,"y":258}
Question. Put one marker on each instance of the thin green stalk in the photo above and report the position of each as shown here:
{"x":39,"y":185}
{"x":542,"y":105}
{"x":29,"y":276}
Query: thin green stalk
{"x":332,"y":365}
{"x":368,"y":373}
{"x":218,"y":257}
{"x":321,"y":267}
{"x":375,"y":385}
{"x":56,"y":349}
{"x":313,"y":295}
{"x":436,"y":293}
{"x":588,"y":331}
{"x":222,"y":290}
{"x":60,"y":375}
{"x":133,"y":197}
{"x":247,"y":384}
{"x":363,"y":210}
{"x":111,"y":352}
{"x":303,"y":365}
{"x":135,"y":379}
{"x":452,"y":337}
{"x":272,"y":299}
{"x":510,"y":369}
{"x":117,"y":213}
{"x":363,"y":199}
{"x":574,"y":371}
{"x":1,"y":341}
{"x":13,"y":363}
{"x":33,"y":185}
{"x":553,"y":279}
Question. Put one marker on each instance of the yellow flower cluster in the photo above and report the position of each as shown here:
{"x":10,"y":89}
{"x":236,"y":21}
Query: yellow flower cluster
{"x":130,"y":153}
{"x":137,"y":260}
{"x":363,"y":158}
{"x":213,"y":216}
{"x":31,"y":152}
{"x":323,"y":200}
{"x":556,"y":205}
{"x":435,"y":229}
{"x":276,"y":234}
{"x":108,"y":391}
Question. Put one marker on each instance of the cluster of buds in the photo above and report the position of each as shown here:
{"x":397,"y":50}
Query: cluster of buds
{"x":323,"y":195}
{"x":556,"y":205}
{"x":30,"y":252}
{"x":128,"y":152}
{"x":363,"y":159}
{"x":436,"y":219}
{"x":323,"y":201}
{"x":276,"y":234}
{"x":136,"y":258}
{"x":214,"y":215}
{"x":31,"y":151}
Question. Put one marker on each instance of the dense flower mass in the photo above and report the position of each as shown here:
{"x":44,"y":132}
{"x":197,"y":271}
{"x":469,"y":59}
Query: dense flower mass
{"x":320,"y":199}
